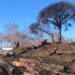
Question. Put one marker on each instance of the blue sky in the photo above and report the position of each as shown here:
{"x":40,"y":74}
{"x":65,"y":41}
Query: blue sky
{"x":24,"y":12}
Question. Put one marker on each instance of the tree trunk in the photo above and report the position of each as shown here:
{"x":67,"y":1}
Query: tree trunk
{"x":60,"y":35}
{"x":52,"y":38}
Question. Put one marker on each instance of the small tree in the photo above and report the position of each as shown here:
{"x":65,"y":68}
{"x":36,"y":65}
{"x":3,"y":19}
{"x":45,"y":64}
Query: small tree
{"x":37,"y":28}
{"x":11,"y":33}
{"x":14,"y":35}
{"x":58,"y":14}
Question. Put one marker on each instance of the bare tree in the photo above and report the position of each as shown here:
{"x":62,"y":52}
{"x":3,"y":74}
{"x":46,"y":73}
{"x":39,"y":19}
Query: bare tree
{"x":59,"y":15}
{"x":1,"y":39}
{"x":12,"y":33}
{"x":40,"y":29}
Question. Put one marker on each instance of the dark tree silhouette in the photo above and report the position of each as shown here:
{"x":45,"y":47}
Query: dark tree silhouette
{"x":37,"y":27}
{"x":58,"y":14}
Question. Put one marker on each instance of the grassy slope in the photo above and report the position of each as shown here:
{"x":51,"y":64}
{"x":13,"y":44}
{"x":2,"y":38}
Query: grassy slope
{"x":43,"y":52}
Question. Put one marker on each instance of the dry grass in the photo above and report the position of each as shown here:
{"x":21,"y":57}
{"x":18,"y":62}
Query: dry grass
{"x":45,"y":50}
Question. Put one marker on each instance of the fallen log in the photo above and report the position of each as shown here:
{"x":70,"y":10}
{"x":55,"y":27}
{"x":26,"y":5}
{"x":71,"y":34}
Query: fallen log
{"x":7,"y":67}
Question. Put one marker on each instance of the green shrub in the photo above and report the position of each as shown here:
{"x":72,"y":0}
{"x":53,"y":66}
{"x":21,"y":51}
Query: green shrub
{"x":66,"y":69}
{"x":48,"y":72}
{"x":22,"y":50}
{"x":45,"y":72}
{"x":8,"y":55}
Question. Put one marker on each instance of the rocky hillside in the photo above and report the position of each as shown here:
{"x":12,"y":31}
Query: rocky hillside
{"x":50,"y":59}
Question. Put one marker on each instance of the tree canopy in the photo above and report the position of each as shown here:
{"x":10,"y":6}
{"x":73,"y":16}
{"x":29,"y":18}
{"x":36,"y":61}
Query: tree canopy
{"x":58,"y":14}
